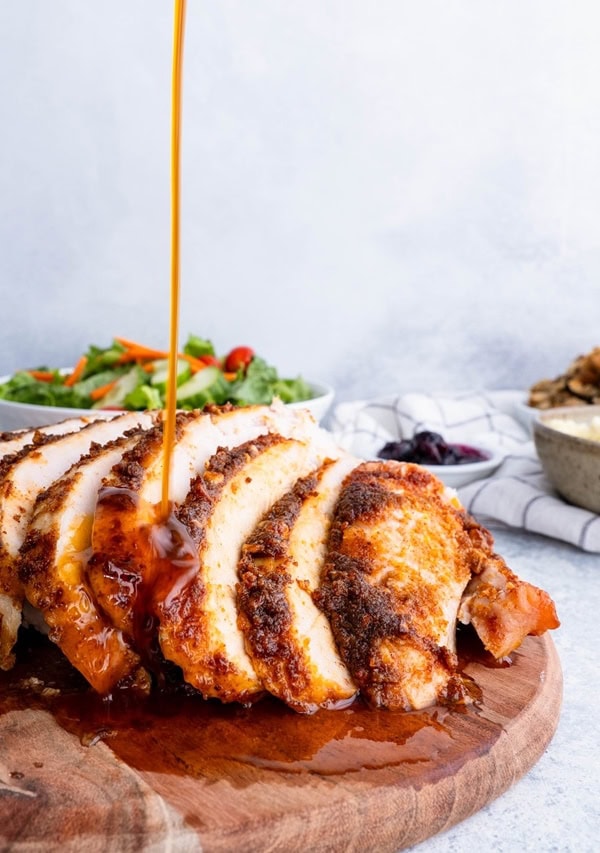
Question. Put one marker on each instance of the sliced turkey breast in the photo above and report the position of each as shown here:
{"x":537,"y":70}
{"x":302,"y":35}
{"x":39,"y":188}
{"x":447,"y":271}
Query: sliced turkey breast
{"x":198,"y":622}
{"x":27,"y":474}
{"x":283,"y":565}
{"x":52,"y":568}
{"x":287,"y":637}
{"x":129,"y":505}
{"x":397,"y":564}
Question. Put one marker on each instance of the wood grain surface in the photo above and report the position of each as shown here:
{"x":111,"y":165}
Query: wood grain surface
{"x":188,"y":775}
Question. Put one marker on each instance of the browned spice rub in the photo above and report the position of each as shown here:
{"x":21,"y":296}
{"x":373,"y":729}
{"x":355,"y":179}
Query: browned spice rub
{"x":405,"y":561}
{"x":392,"y":584}
{"x":264,"y":613}
{"x":187,"y":618}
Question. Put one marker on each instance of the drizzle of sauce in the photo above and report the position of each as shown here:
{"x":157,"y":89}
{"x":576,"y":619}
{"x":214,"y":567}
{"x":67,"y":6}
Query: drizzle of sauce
{"x":177,"y":732}
{"x":152,"y":571}
{"x":171,"y":403}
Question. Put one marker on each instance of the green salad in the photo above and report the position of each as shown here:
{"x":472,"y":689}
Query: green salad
{"x":128,"y":375}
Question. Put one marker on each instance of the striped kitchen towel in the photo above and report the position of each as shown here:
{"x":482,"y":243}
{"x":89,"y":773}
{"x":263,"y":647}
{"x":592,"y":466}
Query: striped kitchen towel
{"x":516,"y":494}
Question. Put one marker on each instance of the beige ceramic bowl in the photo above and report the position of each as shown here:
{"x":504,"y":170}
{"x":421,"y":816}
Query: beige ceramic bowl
{"x":571,"y":463}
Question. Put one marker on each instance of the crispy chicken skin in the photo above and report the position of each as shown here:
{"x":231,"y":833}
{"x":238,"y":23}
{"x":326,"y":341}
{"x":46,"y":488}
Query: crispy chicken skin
{"x":288,"y":638}
{"x":397,"y":565}
{"x":504,"y":609}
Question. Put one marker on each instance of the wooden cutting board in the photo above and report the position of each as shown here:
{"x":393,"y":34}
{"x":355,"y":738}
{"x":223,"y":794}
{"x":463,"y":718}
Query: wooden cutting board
{"x":184,"y":774}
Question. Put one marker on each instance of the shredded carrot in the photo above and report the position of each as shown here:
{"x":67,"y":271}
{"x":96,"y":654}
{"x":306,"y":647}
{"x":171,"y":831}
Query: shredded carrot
{"x":195,"y":363}
{"x":140,"y":355}
{"x":149,"y":367}
{"x":229,"y":376}
{"x":137,"y":352}
{"x":77,"y":371}
{"x":128,"y":344}
{"x":102,"y":390}
{"x":42,"y":375}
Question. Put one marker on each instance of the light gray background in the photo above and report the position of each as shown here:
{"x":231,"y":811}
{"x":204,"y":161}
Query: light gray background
{"x":385,"y":195}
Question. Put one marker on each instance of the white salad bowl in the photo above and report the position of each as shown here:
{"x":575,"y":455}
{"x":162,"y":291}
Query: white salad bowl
{"x":320,"y":402}
{"x":17,"y":416}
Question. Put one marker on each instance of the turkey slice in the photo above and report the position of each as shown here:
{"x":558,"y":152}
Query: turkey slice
{"x":53,"y":560}
{"x":399,"y":559}
{"x":25,"y":476}
{"x":288,"y":638}
{"x":199,"y":621}
{"x":502,"y":608}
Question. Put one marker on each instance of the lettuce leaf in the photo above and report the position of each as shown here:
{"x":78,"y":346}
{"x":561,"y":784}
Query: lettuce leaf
{"x":144,"y":397}
{"x":198,"y":347}
{"x":261,"y":383}
{"x":23,"y":388}
{"x":98,"y":359}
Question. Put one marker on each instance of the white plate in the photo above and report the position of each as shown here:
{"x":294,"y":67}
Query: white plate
{"x":527,"y":415}
{"x":459,"y":475}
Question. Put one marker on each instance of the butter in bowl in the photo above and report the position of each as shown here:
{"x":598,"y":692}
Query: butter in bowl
{"x":567,"y":440}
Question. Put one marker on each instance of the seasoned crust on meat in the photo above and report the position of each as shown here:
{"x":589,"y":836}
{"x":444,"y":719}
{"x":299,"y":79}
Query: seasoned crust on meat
{"x":121,"y":553}
{"x":199,"y":630}
{"x":13,"y":442}
{"x":405,"y":560}
{"x":52,"y":568}
{"x":392,"y":583}
{"x":288,"y":638}
{"x":24,"y":476}
{"x":129,"y":504}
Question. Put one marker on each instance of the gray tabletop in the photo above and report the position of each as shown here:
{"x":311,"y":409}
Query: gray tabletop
{"x":555,"y":807}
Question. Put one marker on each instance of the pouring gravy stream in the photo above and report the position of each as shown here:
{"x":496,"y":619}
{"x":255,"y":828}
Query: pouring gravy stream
{"x":169,"y":425}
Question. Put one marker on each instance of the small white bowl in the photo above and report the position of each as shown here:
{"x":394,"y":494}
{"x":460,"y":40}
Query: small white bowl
{"x":460,"y":475}
{"x":525,"y":414}
{"x":16,"y":416}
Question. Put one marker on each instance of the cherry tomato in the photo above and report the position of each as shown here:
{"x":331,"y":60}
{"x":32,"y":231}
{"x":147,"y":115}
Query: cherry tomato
{"x":238,"y":359}
{"x":210,"y":360}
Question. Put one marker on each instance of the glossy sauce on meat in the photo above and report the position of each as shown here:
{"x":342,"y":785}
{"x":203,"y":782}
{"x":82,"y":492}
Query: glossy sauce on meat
{"x":170,"y":559}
